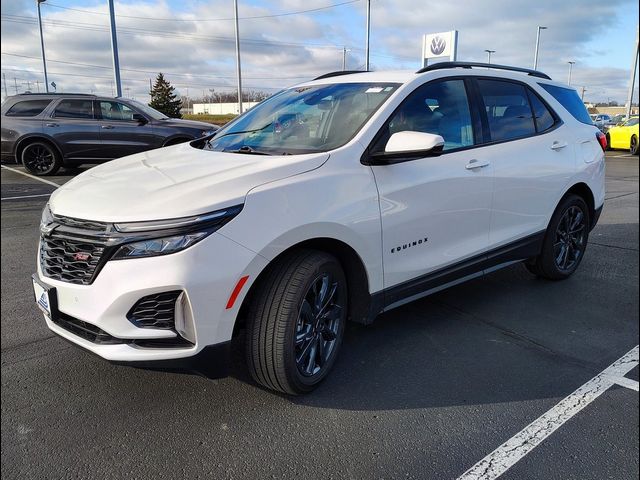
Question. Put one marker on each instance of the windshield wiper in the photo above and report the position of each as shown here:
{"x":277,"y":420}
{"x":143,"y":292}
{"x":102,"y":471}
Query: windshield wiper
{"x":246,"y":149}
{"x":246,"y":131}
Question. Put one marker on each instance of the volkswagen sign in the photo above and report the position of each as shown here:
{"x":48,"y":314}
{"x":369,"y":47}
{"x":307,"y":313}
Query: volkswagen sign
{"x":439,"y":45}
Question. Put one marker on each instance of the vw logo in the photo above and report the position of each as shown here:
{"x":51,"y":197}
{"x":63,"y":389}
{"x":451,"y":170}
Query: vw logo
{"x":438,"y":45}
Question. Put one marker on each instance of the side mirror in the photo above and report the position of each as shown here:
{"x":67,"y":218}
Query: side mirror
{"x":141,"y":119}
{"x":403,"y":142}
{"x":408,"y":145}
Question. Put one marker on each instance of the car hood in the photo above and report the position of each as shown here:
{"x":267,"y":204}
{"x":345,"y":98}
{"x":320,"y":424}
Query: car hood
{"x":178,"y":122}
{"x":172,"y":182}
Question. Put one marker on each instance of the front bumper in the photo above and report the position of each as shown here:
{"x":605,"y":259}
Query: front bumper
{"x":206,"y":273}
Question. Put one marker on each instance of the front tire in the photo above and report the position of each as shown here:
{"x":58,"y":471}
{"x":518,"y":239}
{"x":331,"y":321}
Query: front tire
{"x":565,"y":240}
{"x":296,"y":321}
{"x":633,"y":147}
{"x":40,"y":158}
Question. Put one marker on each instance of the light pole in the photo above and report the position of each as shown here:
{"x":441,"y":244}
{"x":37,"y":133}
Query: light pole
{"x":366,"y":47}
{"x":632,"y":80}
{"x":114,"y":49}
{"x":44,"y":61}
{"x":235,"y":6}
{"x":535,"y":56}
{"x":344,"y":57}
{"x":570,"y":70}
{"x":489,"y":52}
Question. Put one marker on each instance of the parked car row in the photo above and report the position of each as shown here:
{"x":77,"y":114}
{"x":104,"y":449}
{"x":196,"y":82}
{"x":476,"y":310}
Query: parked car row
{"x":624,"y":136}
{"x":47,"y":131}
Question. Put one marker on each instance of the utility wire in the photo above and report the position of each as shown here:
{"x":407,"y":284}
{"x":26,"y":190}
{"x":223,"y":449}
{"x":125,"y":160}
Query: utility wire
{"x":153,"y":72}
{"x":154,"y":33}
{"x":129,"y":80}
{"x":176,"y":34}
{"x":254,"y":17}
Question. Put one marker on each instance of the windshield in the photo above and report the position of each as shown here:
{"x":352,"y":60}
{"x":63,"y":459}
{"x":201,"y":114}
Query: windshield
{"x":146,"y":109}
{"x":303,"y":120}
{"x":631,"y":122}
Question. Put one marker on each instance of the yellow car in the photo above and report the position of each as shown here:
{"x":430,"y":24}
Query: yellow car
{"x":624,"y":136}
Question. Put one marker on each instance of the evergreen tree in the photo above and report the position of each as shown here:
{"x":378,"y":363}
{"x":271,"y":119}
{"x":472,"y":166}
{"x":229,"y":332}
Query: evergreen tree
{"x":163,"y":99}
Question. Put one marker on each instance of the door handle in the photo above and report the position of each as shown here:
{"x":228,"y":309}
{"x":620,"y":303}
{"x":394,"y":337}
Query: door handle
{"x":107,"y":127}
{"x":558,"y":145}
{"x":51,"y":124}
{"x":473,"y":164}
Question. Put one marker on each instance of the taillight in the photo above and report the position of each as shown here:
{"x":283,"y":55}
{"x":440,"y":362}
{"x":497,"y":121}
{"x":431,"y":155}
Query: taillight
{"x":602,"y":140}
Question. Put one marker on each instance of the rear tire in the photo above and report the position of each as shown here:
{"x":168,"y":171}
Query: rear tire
{"x":633,"y":147}
{"x":40,"y":158}
{"x":295,"y":322}
{"x":565,"y":240}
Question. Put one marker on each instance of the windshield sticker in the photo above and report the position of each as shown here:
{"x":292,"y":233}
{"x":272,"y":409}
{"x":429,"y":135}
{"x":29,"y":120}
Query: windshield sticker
{"x":374,"y":90}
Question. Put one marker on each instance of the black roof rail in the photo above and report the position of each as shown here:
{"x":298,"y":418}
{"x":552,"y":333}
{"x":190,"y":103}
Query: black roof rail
{"x":444,"y":65}
{"x":44,"y":94}
{"x":338,"y":73}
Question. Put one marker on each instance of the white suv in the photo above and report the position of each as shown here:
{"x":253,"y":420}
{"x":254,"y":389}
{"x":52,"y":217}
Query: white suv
{"x":333,"y":200}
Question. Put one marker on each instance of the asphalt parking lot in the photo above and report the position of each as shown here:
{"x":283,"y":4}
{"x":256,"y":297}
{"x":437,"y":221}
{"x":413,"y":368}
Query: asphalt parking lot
{"x":427,"y":392}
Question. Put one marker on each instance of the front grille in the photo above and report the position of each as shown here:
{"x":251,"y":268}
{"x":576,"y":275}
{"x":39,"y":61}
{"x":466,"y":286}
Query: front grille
{"x":70,"y":260}
{"x":84,"y":330}
{"x":82,"y":224}
{"x":155,"y":311}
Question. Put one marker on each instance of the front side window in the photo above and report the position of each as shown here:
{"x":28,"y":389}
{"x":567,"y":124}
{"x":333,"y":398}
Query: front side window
{"x":147,"y":110}
{"x":440,"y":108}
{"x":80,"y":109}
{"x":508,"y":110}
{"x":28,"y":108}
{"x":115,"y":111}
{"x":307,"y":119}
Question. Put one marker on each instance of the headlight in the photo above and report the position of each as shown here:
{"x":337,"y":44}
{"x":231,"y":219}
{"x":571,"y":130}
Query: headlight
{"x":158,"y":246}
{"x":162,"y":237}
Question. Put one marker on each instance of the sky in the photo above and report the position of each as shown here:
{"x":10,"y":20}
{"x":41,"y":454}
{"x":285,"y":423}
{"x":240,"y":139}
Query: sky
{"x":284,"y":42}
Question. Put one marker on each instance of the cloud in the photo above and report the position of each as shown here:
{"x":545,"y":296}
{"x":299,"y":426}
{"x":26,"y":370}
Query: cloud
{"x":199,"y":55}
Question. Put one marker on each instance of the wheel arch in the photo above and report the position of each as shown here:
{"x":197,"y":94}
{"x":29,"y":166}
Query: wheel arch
{"x":584,"y":191}
{"x":360,"y":300}
{"x":27,"y":139}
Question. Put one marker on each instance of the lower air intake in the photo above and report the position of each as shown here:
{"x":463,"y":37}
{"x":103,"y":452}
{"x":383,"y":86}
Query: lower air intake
{"x":155,"y":311}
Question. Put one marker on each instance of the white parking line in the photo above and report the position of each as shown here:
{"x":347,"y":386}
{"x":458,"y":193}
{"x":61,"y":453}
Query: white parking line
{"x":26,"y":196}
{"x":514,"y":449}
{"x":48,"y":182}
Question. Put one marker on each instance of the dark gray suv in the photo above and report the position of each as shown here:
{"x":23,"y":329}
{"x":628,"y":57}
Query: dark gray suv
{"x":47,"y":131}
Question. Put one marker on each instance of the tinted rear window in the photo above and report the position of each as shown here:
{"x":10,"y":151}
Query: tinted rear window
{"x":28,"y":108}
{"x":508,"y":110}
{"x":570,"y":100}
{"x":74,"y":109}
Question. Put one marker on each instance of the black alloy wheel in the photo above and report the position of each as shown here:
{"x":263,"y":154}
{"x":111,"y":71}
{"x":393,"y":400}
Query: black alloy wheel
{"x":40,"y":159}
{"x":633,"y":148}
{"x":570,"y":240}
{"x":295,"y":321}
{"x":318,"y":325}
{"x":565,"y":240}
